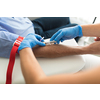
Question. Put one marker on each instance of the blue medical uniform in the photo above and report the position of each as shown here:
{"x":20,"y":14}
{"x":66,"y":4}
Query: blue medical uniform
{"x":10,"y":29}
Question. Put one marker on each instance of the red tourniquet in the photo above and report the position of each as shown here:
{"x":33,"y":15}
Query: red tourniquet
{"x":12,"y":59}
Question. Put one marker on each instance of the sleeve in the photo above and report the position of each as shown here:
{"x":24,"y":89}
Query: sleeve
{"x":6,"y":42}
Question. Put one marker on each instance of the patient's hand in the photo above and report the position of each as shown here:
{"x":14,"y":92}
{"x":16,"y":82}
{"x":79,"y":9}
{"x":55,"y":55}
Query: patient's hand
{"x":94,"y":48}
{"x":56,"y":50}
{"x":97,"y":39}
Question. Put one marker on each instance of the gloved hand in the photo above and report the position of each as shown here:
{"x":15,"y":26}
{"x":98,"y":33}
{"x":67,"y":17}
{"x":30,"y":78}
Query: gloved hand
{"x":31,"y":40}
{"x":67,"y":33}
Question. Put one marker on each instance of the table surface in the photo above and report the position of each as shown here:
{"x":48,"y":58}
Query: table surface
{"x":51,"y":66}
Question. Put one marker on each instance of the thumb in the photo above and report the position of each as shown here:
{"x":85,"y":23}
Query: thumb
{"x":40,"y":43}
{"x":55,"y":35}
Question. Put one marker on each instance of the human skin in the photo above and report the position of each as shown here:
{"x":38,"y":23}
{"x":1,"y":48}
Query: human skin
{"x":92,"y":30}
{"x":97,"y":39}
{"x":56,"y":50}
{"x":34,"y":74}
{"x":53,"y":51}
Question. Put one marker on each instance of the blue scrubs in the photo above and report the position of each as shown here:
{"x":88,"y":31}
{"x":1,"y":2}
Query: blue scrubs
{"x":10,"y":29}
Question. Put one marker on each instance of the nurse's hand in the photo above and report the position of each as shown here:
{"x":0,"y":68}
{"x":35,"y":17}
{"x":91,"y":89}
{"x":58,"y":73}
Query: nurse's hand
{"x":30,"y":41}
{"x":67,"y":33}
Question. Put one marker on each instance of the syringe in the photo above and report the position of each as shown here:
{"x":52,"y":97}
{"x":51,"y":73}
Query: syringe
{"x":50,"y":42}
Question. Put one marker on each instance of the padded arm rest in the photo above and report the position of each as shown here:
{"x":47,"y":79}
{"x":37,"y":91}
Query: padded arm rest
{"x":71,"y":64}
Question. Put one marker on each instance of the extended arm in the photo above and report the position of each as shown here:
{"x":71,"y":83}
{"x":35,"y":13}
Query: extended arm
{"x":57,"y":50}
{"x":34,"y":74}
{"x":91,"y":30}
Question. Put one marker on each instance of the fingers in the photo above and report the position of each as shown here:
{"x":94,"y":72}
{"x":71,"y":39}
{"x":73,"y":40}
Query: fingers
{"x":97,"y":39}
{"x":39,"y":38}
{"x":58,"y":38}
{"x":40,"y":43}
{"x":55,"y":35}
{"x":62,"y":40}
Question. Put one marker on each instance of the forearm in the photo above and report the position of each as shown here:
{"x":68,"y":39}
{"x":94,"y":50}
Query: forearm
{"x":85,"y":77}
{"x":29,"y":65}
{"x":52,"y":51}
{"x":34,"y":74}
{"x":91,"y":30}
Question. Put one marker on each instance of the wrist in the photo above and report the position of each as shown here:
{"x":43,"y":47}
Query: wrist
{"x":80,"y":34}
{"x":84,"y":50}
{"x":78,"y":50}
{"x":24,"y":44}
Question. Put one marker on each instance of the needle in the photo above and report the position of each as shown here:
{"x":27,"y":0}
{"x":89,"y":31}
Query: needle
{"x":41,"y":39}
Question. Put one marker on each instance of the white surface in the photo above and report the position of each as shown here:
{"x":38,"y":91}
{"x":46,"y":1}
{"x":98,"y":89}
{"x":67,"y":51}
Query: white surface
{"x":82,"y":20}
{"x":91,"y":61}
{"x":68,"y":64}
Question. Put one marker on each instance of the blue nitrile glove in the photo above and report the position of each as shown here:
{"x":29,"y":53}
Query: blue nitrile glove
{"x":30,"y":41}
{"x":67,"y":33}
